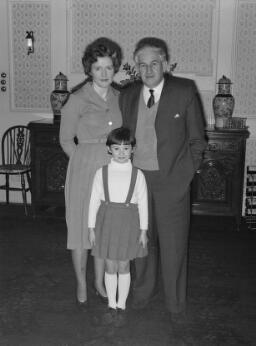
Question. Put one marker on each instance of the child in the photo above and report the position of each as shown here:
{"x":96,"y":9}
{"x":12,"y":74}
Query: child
{"x":118,"y":219}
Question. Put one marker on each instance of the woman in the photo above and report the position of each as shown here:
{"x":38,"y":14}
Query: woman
{"x":90,"y":113}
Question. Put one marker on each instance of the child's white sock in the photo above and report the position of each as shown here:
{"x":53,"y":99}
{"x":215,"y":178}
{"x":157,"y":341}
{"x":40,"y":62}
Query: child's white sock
{"x":124,"y":281}
{"x":111,"y":288}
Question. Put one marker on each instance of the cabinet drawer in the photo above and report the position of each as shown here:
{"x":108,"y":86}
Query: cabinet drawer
{"x":225,"y":146}
{"x":46,"y":138}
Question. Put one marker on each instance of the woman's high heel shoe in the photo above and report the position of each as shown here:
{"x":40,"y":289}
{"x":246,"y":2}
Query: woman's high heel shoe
{"x":82,"y":306}
{"x":81,"y":296}
{"x":100,"y":296}
{"x":81,"y":303}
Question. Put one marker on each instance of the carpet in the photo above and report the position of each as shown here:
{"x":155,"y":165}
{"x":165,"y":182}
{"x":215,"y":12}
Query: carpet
{"x":37,"y":291}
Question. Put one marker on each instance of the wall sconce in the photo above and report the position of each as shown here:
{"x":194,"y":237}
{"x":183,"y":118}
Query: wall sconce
{"x":30,"y":42}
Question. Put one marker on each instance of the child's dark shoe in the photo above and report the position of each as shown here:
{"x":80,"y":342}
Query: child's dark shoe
{"x":120,"y":320}
{"x":109,"y":317}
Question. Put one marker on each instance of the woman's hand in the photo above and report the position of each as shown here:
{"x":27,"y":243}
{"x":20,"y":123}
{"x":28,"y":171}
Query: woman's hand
{"x":92,"y":236}
{"x":143,"y":240}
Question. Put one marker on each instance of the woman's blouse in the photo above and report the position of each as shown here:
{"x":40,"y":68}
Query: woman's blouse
{"x":88,"y":117}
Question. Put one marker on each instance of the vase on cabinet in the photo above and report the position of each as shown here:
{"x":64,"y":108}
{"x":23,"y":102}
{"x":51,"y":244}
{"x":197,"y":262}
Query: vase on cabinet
{"x":59,"y":95}
{"x":223,"y":102}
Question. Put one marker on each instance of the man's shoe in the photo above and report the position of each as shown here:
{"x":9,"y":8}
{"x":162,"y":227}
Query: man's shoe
{"x":139,"y":304}
{"x":178,"y":317}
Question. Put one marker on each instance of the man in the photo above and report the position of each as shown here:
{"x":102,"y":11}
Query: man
{"x":165,"y":114}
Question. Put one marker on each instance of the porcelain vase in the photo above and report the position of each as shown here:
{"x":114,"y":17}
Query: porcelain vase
{"x":59,"y":96}
{"x":223,"y":102}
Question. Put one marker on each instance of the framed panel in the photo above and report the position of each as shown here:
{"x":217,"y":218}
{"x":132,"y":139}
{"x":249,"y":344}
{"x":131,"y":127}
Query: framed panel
{"x":30,"y":75}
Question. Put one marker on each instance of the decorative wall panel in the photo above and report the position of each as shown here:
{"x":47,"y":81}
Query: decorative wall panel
{"x":245,"y":54}
{"x":186,"y":26}
{"x":30,"y":74}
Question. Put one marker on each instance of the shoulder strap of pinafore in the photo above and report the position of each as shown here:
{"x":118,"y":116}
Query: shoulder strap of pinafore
{"x":105,"y":182}
{"x":132,"y":184}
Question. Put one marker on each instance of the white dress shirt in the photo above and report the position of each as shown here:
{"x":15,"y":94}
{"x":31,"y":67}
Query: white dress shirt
{"x":157,"y":92}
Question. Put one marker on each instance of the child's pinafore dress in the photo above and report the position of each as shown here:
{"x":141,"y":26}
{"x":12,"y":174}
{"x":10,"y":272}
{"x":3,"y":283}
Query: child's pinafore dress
{"x":117,"y":228}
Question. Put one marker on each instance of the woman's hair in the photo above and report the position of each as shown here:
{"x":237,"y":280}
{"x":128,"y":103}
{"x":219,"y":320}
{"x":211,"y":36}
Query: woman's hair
{"x":121,"y":135}
{"x":100,"y":48}
{"x":153,"y":42}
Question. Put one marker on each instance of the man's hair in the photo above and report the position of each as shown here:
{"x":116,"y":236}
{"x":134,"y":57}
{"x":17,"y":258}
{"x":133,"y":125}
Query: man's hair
{"x":152,"y":42}
{"x":121,"y":135}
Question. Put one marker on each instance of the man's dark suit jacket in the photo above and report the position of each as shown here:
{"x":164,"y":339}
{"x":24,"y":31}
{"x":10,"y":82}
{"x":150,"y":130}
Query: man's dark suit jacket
{"x":179,"y":127}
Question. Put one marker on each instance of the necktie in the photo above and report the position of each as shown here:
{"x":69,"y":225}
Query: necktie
{"x":151,"y":99}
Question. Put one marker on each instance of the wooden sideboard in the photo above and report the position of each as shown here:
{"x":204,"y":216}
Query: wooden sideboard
{"x":49,"y":165}
{"x":217,"y":188}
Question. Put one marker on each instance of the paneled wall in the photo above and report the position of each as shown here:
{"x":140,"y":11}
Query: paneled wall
{"x":244,"y":67}
{"x":206,"y":38}
{"x":185,"y":25}
{"x":30,"y":74}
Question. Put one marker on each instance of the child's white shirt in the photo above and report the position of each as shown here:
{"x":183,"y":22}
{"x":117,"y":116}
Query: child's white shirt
{"x":119,"y":178}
